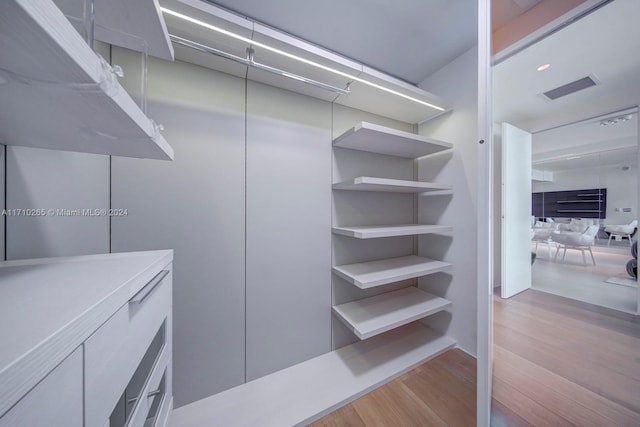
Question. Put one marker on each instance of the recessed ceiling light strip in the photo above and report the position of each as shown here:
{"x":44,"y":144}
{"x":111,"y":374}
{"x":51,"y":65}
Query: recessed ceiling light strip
{"x":295,"y":57}
{"x":248,"y":62}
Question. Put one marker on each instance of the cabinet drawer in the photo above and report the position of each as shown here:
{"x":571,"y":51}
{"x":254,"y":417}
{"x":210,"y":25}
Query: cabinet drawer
{"x":56,"y":401}
{"x":114,"y":352}
{"x":148,"y":411}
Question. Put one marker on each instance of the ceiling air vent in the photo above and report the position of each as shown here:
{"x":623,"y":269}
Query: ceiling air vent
{"x":570,"y":88}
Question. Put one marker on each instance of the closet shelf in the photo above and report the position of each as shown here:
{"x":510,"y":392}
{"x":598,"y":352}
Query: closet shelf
{"x":383,"y":140}
{"x":129,"y":23}
{"x":56,"y":93}
{"x":372,"y":316}
{"x":375,"y":273}
{"x":367,"y":183}
{"x":376,"y":231}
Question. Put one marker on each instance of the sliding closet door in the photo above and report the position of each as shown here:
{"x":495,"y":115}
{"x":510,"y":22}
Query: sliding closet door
{"x":194,"y":205}
{"x":288,"y":229}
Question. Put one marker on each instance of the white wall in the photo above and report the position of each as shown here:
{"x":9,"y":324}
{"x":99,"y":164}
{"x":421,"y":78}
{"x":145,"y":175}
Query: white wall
{"x":56,"y":180}
{"x":458,"y":83}
{"x":288,"y":232}
{"x":621,"y":185}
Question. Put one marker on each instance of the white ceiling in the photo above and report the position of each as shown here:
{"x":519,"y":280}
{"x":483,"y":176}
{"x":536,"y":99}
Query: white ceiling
{"x":408,"y":39}
{"x":605,"y":44}
{"x":586,"y":136}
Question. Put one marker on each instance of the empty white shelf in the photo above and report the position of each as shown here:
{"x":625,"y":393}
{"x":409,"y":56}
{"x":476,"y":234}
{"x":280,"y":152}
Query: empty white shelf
{"x":376,"y":231}
{"x":54,"y":94}
{"x":383,"y":140}
{"x":375,"y":273}
{"x":285,"y":398}
{"x":118,"y":20}
{"x":367,"y":183}
{"x":372,"y":316}
{"x":137,"y":25}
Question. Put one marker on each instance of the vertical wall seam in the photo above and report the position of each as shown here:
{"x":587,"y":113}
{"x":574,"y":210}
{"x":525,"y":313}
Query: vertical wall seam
{"x":415,"y":207}
{"x":331,"y":210}
{"x":110,"y":177}
{"x":110,"y":203}
{"x":4,"y":220}
{"x":416,"y":198}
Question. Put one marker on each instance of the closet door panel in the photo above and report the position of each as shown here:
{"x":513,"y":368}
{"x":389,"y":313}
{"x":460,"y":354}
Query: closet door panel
{"x":194,"y":205}
{"x":288,"y":229}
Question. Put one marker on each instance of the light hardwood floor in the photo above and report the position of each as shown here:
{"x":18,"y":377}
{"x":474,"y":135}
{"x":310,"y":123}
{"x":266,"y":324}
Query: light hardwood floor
{"x":441,"y":392}
{"x":557,"y":362}
{"x":560,"y":362}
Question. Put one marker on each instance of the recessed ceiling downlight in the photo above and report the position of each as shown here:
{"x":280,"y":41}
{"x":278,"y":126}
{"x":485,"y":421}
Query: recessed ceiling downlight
{"x":544,"y":67}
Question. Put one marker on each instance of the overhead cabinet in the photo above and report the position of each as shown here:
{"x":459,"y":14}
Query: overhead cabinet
{"x":56,"y":93}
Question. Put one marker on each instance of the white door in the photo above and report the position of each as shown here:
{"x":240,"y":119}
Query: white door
{"x":516,"y":210}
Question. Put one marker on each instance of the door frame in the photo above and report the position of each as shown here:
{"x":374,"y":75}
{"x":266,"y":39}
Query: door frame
{"x":484,"y":220}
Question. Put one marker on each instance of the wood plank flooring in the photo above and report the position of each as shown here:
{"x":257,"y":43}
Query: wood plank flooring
{"x":564,"y":363}
{"x":441,"y":392}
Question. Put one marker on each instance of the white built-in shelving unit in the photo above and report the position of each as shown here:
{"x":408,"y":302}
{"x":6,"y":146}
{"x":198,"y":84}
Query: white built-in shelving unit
{"x":374,"y":315}
{"x":57,"y":93}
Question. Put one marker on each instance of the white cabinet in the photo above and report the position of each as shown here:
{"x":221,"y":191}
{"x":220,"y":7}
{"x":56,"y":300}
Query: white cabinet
{"x":373,"y":315}
{"x":136,"y":333}
{"x":86,"y":340}
{"x":56,"y":401}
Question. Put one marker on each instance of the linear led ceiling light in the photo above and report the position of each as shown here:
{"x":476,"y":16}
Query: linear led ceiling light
{"x":295,"y":57}
{"x":251,"y":63}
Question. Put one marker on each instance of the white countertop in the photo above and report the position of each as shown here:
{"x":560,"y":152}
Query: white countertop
{"x":50,"y":306}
